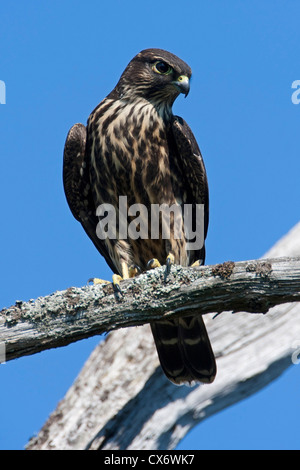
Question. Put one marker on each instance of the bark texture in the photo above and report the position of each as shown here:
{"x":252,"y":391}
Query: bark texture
{"x":77,"y":313}
{"x":121,"y":399}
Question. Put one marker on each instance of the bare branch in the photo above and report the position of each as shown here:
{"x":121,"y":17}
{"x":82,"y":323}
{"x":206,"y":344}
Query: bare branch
{"x":77,"y":313}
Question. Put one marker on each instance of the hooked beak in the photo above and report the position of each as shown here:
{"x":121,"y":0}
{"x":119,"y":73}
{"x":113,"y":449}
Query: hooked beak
{"x":182,"y":84}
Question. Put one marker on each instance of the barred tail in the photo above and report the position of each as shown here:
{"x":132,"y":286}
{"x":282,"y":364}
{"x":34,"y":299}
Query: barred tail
{"x":184,"y":350}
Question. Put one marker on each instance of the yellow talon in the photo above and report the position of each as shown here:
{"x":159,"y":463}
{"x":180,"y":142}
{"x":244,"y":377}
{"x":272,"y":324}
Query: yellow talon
{"x":96,"y":280}
{"x":116,"y":282}
{"x":197,"y":263}
{"x":170,"y":260}
{"x":116,"y":279}
{"x":134,"y":270}
{"x":153,"y":263}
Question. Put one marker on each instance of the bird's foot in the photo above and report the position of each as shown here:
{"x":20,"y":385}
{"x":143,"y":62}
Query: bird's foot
{"x":154,"y":263}
{"x":134,"y":270}
{"x":197,"y":263}
{"x":96,"y":280}
{"x":127,"y":272}
{"x":116,"y":283}
{"x":170,"y":260}
{"x":130,"y":272}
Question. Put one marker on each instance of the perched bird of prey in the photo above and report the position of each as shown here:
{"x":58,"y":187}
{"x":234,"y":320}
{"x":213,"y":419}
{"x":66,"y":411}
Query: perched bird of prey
{"x":134,"y":146}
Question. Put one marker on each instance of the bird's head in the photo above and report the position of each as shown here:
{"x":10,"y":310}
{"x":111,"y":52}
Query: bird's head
{"x":155,"y":75}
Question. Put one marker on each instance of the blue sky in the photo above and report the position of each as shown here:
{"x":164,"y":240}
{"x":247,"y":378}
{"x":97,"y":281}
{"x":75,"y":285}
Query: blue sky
{"x":58,"y":60}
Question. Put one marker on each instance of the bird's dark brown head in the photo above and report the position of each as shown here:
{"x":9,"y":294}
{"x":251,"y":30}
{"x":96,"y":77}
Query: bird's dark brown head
{"x":156,"y":75}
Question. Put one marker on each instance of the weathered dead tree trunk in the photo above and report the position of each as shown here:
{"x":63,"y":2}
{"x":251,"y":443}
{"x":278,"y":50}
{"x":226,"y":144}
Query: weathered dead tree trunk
{"x":121,"y":399}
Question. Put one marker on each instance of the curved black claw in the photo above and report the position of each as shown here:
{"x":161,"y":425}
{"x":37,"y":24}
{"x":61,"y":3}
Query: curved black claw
{"x":117,"y":289}
{"x":170,"y":260}
{"x":153,"y":263}
{"x":168,"y":267}
{"x":116,"y":284}
{"x":134,"y":270}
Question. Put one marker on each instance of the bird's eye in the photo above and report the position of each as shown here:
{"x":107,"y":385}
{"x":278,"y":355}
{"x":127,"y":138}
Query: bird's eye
{"x":162,"y":68}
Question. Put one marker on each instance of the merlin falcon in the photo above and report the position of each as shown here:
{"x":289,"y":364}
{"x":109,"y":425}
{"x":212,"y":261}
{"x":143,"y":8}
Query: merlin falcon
{"x":134,"y":146}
